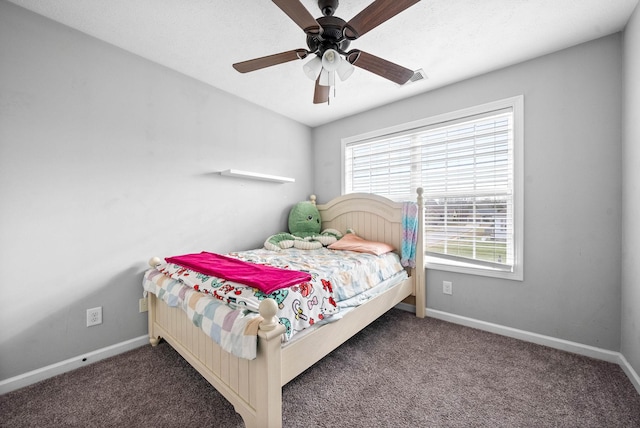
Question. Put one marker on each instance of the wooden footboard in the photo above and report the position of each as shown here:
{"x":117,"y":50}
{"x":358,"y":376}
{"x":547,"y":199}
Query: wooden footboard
{"x":252,"y":386}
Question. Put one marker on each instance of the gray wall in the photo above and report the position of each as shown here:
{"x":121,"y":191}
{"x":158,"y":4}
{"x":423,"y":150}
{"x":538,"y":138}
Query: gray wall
{"x":107,"y":159}
{"x":631,"y":196}
{"x":572,"y":231}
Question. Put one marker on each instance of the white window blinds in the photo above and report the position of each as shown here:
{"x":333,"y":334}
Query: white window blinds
{"x":465,"y":166}
{"x":466,"y":171}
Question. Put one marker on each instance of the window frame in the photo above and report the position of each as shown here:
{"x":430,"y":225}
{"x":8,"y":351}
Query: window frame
{"x":515,"y":103}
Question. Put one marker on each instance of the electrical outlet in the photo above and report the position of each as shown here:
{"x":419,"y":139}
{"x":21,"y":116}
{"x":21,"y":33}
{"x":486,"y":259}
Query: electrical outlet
{"x":94,"y":316}
{"x":447,"y":287}
{"x":143,"y":305}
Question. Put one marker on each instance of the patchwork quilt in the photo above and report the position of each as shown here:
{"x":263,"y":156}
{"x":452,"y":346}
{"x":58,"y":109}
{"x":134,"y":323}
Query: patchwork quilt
{"x":227,"y":311}
{"x":234,"y":330}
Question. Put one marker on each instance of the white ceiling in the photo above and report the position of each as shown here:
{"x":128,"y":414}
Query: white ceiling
{"x":450,"y":39}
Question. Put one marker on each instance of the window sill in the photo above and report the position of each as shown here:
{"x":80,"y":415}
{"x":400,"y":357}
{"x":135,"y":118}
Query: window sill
{"x":471,"y":269}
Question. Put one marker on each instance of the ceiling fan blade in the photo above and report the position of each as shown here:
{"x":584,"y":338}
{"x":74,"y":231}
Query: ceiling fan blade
{"x":373,"y":15}
{"x":379,"y":66}
{"x":300,"y":15}
{"x":321,"y":93}
{"x":269,"y":60}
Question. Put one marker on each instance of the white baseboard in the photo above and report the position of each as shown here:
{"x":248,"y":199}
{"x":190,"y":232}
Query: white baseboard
{"x":631,"y":373}
{"x":43,"y":373}
{"x":552,"y":342}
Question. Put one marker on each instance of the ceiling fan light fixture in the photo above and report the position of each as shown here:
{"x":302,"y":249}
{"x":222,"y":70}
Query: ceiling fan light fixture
{"x":345,"y":69}
{"x":331,"y":60}
{"x":313,"y":68}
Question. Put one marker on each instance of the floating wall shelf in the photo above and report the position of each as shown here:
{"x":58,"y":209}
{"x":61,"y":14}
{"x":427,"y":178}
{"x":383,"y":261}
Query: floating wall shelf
{"x":256,"y":176}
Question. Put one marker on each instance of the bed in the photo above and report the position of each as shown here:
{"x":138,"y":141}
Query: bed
{"x":254,"y":386}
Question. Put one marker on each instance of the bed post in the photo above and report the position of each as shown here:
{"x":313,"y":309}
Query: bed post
{"x":151,"y":305}
{"x":269,"y":367}
{"x":153,"y":338}
{"x":421,"y":286}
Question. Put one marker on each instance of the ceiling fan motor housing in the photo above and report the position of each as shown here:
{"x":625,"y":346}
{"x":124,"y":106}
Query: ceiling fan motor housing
{"x":332,"y":36}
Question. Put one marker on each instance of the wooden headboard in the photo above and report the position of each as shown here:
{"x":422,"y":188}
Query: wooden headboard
{"x":370,"y":216}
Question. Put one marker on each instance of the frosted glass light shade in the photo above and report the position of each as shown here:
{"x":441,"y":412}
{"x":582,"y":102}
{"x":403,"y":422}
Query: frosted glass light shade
{"x":312,"y":68}
{"x":345,"y":69}
{"x":331,"y":60}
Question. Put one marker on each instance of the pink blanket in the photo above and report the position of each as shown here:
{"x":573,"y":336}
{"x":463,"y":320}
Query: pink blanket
{"x":265,"y":278}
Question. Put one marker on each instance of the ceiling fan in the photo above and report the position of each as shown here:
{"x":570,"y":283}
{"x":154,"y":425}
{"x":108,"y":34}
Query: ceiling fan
{"x":328,"y":37}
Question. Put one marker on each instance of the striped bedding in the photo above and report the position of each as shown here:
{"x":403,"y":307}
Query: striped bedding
{"x":228,"y":311}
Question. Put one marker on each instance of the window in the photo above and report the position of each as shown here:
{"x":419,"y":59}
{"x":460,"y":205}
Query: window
{"x":469,"y":164}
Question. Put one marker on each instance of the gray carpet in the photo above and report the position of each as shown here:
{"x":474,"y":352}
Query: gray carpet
{"x":400,"y":371}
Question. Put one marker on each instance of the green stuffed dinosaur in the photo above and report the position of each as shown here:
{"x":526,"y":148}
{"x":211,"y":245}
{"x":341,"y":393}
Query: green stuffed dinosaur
{"x":304,"y":230}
